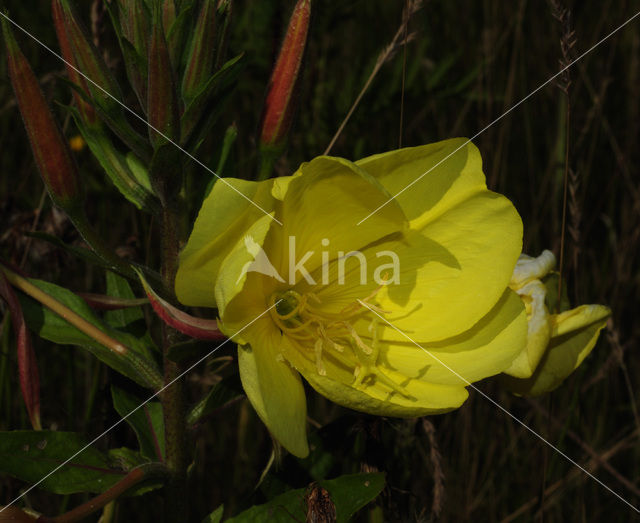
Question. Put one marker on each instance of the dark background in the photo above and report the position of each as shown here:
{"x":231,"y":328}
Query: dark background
{"x":468,"y":61}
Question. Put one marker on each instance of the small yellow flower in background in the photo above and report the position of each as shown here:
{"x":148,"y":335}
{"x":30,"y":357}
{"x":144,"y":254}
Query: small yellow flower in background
{"x":435,"y":263}
{"x":77,"y":143}
{"x":556,"y":343}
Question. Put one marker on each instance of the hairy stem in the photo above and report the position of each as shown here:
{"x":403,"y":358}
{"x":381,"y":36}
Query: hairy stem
{"x":173,"y":401}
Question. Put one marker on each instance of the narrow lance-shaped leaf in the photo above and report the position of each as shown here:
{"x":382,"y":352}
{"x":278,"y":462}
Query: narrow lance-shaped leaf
{"x":181,"y":321}
{"x":27,"y":363}
{"x":162,"y":98}
{"x":201,"y":53}
{"x":146,"y":421}
{"x":102,"y":302}
{"x":225,"y":15}
{"x":117,"y":168}
{"x":50,"y":149}
{"x":65,"y":318}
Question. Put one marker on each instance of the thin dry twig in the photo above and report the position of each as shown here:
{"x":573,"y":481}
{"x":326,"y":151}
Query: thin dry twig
{"x":567,"y":43}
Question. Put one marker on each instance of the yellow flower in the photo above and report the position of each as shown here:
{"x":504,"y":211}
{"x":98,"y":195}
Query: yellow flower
{"x":556,"y":343}
{"x":77,"y":143}
{"x":434,"y":262}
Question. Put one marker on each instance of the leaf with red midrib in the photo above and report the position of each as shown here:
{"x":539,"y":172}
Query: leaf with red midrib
{"x":199,"y":328}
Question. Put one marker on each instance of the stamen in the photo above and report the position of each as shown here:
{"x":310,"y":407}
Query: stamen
{"x":319,"y":363}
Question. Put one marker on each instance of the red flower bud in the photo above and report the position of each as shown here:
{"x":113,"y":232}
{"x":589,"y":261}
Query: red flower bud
{"x":202,"y":52}
{"x":27,"y":363}
{"x":135,"y":26}
{"x":162,"y":99}
{"x":86,"y":111}
{"x":278,"y":112}
{"x":50,"y":149}
{"x":87,"y":59}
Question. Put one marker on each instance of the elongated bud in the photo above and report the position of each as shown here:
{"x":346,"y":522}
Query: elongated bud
{"x":27,"y":363}
{"x":168,"y":16}
{"x":135,"y":27}
{"x":88,"y":60}
{"x":202,"y":52}
{"x":279,"y":107}
{"x":86,"y":111}
{"x":50,"y":149}
{"x":162,"y":98}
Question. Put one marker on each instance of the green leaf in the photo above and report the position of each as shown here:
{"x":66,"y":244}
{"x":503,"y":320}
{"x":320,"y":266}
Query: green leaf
{"x":147,"y":422}
{"x":116,"y":120}
{"x":48,"y":325}
{"x":134,"y":187}
{"x":215,"y":516}
{"x":195,"y":111}
{"x":79,"y":252}
{"x":118,"y":287}
{"x":32,"y":455}
{"x":128,"y":459}
{"x":348,"y":493}
{"x":230,"y":137}
{"x":129,"y":319}
{"x":221,"y":394}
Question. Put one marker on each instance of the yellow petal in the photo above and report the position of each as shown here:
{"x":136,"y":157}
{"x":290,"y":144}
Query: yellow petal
{"x":319,"y":212}
{"x":430,"y":178}
{"x":222,"y":221}
{"x":484,"y":350}
{"x":244,"y":258}
{"x":405,"y":397}
{"x":452,"y":272}
{"x":575,"y":334}
{"x":274,"y":388}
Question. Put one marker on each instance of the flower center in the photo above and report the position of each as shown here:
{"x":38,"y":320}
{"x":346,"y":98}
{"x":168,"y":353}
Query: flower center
{"x":302,"y":319}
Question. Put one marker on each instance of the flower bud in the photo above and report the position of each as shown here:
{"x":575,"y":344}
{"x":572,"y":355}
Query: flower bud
{"x":202,"y":52}
{"x":27,"y":363}
{"x":135,"y":26}
{"x":88,"y":60}
{"x":50,"y":150}
{"x":278,"y":111}
{"x":86,"y":111}
{"x":162,"y":99}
